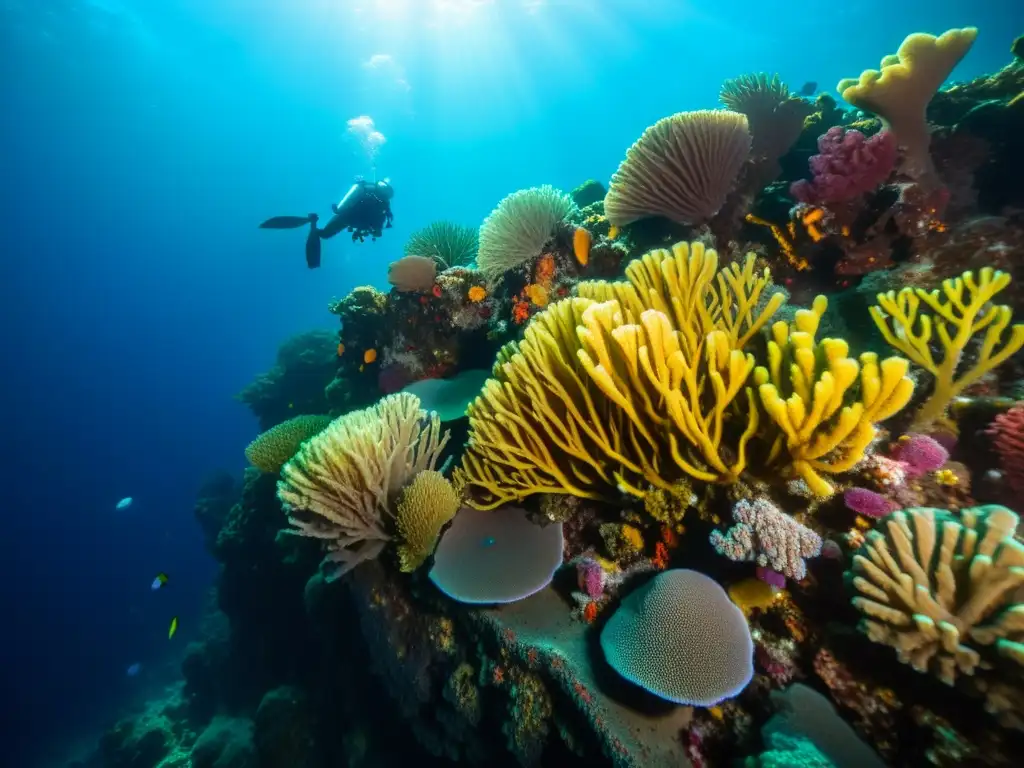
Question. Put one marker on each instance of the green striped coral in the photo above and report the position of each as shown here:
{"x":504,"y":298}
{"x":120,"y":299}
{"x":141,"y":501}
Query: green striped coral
{"x":273,"y":448}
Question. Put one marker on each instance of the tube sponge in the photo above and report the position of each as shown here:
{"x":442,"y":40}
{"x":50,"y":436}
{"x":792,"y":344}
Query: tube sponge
{"x":681,"y":638}
{"x":900,"y":92}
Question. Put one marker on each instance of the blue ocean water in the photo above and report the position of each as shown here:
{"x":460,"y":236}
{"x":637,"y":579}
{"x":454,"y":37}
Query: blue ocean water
{"x":142,"y":142}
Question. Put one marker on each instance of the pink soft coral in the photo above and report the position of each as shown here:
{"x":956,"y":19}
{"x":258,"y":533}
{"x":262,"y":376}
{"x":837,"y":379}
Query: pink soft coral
{"x":847,"y":165}
{"x":1007,"y":433}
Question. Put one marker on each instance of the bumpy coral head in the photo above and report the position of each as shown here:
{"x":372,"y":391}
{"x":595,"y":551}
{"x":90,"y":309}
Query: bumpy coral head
{"x":901,"y":90}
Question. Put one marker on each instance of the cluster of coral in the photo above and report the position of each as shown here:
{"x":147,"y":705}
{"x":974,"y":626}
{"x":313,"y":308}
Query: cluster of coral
{"x":716,"y":464}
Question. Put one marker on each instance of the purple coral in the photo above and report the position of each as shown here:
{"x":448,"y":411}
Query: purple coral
{"x":765,"y":534}
{"x":868,"y":503}
{"x":920,"y":454}
{"x":847,"y":165}
{"x":590,"y":576}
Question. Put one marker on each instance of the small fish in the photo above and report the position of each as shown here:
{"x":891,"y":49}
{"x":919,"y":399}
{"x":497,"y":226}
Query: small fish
{"x":159,"y":581}
{"x":173,"y":629}
{"x":369,"y":356}
{"x":341,"y":350}
{"x":133,"y":670}
{"x":808,"y":88}
{"x":124,"y":503}
{"x":613,"y":232}
{"x":489,"y":541}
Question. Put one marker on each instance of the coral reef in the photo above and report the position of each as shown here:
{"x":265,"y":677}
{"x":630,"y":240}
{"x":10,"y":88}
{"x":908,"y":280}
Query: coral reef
{"x":677,"y":491}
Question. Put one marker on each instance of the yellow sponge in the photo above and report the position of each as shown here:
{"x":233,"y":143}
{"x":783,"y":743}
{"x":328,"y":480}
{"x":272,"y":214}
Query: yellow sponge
{"x":900,"y":92}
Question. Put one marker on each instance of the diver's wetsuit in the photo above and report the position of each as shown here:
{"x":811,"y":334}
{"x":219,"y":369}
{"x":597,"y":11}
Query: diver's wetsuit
{"x":365,"y":210}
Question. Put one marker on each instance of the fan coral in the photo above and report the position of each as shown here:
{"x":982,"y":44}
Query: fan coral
{"x":413,"y":274}
{"x":271,"y":449}
{"x":423,"y":509}
{"x":517,"y":229}
{"x":1007,"y":433}
{"x":765,"y":534}
{"x":900,"y":92}
{"x":681,"y":638}
{"x":496,"y":557}
{"x":341,"y":485}
{"x":776,"y":118}
{"x":642,"y":384}
{"x":449,"y":244}
{"x":847,"y":166}
{"x":957,"y":315}
{"x":943,"y":592}
{"x":682,"y":168}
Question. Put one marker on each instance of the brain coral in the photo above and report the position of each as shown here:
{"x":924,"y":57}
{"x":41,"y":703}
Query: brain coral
{"x":496,"y":557}
{"x":271,"y":449}
{"x":681,"y":638}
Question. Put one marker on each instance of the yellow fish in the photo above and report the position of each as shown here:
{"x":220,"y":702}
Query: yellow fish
{"x":613,"y":232}
{"x":173,"y":629}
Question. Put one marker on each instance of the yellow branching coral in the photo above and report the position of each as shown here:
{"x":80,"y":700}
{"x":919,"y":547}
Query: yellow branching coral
{"x":637,"y":386}
{"x":341,"y":485}
{"x":806,"y":390}
{"x":426,"y":504}
{"x":944,"y":592}
{"x":628,"y":385}
{"x":956,"y":314}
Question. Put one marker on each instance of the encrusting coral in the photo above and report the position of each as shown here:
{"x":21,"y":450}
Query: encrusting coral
{"x":957,"y":316}
{"x":682,"y":168}
{"x":640,"y":384}
{"x":342,"y":485}
{"x":908,"y":80}
{"x":943,"y":591}
{"x":765,"y":534}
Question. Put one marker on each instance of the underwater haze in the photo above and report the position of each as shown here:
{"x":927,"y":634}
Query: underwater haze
{"x":141,"y":145}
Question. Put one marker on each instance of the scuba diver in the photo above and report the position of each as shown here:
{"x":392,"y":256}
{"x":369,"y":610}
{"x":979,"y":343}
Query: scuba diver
{"x":364,"y":210}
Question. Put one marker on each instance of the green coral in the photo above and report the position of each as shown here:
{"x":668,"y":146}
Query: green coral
{"x":462,"y":692}
{"x":272,"y":449}
{"x":530,"y":711}
{"x":449,"y":244}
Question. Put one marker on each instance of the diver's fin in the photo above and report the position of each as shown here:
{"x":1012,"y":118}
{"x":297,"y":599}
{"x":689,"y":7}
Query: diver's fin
{"x":313,"y":247}
{"x":286,"y":222}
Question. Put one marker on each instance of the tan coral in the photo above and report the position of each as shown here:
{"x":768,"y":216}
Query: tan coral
{"x":900,"y":92}
{"x":341,"y":485}
{"x":413,"y":274}
{"x":944,"y":592}
{"x":682,"y":168}
{"x":423,"y":509}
